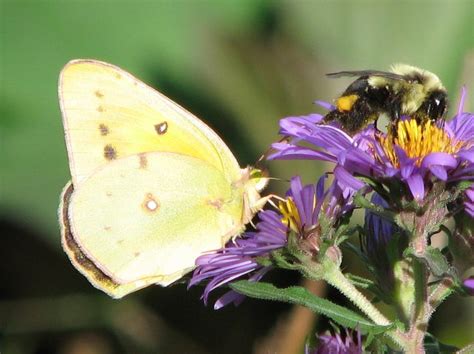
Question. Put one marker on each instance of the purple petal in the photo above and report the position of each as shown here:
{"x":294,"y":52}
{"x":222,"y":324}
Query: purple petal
{"x":439,"y":171}
{"x":407,"y":170}
{"x":404,"y":160}
{"x":390,"y":171}
{"x":417,"y":187}
{"x":314,"y":118}
{"x":227,"y":298}
{"x":235,"y":297}
{"x":469,"y":208}
{"x":440,"y":159}
{"x":295,"y":192}
{"x":296,"y":126}
{"x":462,"y":100}
{"x":326,"y":105}
{"x":346,"y":180}
{"x":461,"y":127}
{"x":469,"y":285}
{"x":467,"y":155}
{"x":320,"y":187}
{"x":358,"y":161}
{"x":470,"y":193}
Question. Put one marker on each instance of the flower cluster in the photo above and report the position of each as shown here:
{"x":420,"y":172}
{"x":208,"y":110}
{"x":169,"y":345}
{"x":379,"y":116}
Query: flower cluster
{"x":417,"y":154}
{"x":410,"y":180}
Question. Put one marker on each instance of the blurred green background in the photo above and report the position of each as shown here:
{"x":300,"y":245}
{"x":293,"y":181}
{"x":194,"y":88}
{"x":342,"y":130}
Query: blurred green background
{"x":240,"y":66}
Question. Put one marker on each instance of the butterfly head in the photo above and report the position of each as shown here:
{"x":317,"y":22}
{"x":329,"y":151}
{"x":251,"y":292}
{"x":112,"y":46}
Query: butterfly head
{"x":253,"y":181}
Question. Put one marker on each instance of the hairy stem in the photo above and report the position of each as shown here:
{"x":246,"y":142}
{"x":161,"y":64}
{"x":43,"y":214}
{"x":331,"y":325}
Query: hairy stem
{"x":419,"y":322}
{"x":336,"y":278}
{"x":419,"y":224}
{"x":440,"y":293}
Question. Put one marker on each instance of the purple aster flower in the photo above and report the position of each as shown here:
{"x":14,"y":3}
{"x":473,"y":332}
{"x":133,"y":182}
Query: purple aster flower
{"x":415,"y":153}
{"x":239,"y":258}
{"x":337,"y":344}
{"x":246,"y":256}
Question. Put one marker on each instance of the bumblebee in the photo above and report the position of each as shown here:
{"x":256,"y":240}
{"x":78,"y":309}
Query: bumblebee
{"x":405,"y":90}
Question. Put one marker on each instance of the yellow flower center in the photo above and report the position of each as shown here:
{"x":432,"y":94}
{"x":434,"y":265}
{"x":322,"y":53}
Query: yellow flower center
{"x":417,"y":140}
{"x":291,"y":217}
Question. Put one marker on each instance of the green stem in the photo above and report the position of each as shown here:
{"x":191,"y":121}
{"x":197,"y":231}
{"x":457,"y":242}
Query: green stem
{"x":419,"y":323}
{"x":440,"y":293}
{"x":334,"y":276}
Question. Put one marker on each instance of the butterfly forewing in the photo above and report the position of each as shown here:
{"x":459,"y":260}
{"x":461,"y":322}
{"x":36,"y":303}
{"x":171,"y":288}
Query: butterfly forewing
{"x":108,"y":114}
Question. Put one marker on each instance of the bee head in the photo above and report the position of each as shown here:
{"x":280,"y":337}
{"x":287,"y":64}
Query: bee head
{"x":435,"y":105}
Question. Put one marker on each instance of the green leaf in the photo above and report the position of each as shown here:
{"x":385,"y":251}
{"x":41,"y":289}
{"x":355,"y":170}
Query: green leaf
{"x":433,"y":346}
{"x":364,"y":203}
{"x":359,"y":281}
{"x":301,"y":296}
{"x":463,"y":185}
{"x":434,"y":260}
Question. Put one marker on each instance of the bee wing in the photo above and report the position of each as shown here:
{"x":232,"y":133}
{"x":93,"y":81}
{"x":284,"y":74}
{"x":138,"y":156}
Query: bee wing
{"x":361,"y":73}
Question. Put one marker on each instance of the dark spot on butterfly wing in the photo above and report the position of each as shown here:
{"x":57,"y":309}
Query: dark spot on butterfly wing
{"x":143,"y":161}
{"x":161,"y":128}
{"x":109,"y":152}
{"x":99,"y":94}
{"x":104,"y":130}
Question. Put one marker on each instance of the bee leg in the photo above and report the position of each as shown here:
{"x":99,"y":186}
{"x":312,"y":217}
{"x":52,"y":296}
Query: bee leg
{"x":334,"y":115}
{"x":345,"y":119}
{"x":394,"y":117}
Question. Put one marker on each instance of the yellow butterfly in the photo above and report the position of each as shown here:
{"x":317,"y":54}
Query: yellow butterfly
{"x":152,"y":188}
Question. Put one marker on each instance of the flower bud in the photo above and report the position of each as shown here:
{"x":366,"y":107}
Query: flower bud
{"x":468,"y":285}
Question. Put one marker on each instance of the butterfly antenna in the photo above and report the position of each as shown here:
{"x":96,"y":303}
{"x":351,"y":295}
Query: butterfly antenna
{"x":267,"y":153}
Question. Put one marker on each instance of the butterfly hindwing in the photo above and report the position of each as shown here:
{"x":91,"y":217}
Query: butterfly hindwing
{"x":97,"y":277}
{"x":153,"y":213}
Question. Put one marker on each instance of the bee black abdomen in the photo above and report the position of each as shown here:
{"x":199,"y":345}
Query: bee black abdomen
{"x":365,"y":109}
{"x":358,"y":117}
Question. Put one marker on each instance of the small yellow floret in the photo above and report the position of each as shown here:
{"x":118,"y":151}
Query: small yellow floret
{"x":417,"y":140}
{"x":291,"y":217}
{"x":345,"y":103}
